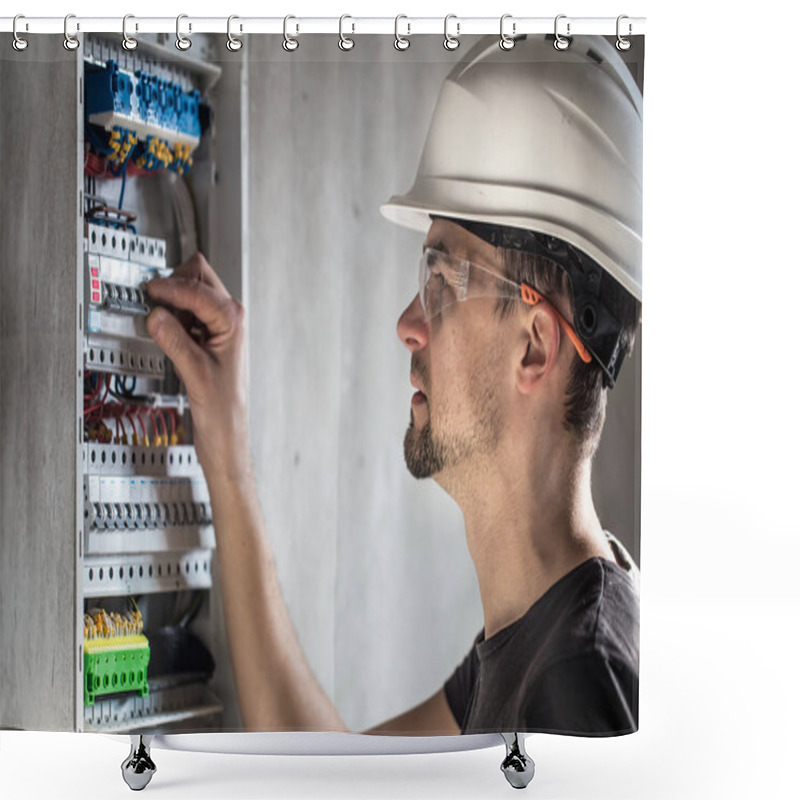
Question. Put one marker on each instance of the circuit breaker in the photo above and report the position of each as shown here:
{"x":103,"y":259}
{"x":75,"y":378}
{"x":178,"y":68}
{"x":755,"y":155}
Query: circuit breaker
{"x":129,"y":624}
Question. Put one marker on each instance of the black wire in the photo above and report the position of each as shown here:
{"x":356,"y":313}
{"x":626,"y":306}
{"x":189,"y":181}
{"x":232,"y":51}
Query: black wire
{"x":121,"y":392}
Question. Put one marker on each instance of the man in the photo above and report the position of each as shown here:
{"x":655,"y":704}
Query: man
{"x":529,"y":282}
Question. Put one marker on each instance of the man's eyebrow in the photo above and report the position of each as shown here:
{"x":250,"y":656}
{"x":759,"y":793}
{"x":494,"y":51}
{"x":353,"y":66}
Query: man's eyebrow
{"x":437,"y":245}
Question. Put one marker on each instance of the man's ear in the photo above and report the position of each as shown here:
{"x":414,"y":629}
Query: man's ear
{"x":539,"y":346}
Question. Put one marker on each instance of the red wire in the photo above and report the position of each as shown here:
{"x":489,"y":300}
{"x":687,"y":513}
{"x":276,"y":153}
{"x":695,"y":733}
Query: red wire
{"x":96,"y":391}
{"x":108,"y":386}
{"x":160,"y":416}
{"x":130,"y":419}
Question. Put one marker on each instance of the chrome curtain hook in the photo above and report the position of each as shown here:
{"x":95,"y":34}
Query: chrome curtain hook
{"x":70,"y":42}
{"x":290,"y":43}
{"x":345,"y":43}
{"x":506,"y":40}
{"x":128,"y":42}
{"x":233,"y":44}
{"x":19,"y":44}
{"x":400,"y":42}
{"x":181,"y":41}
{"x":622,"y":42}
{"x":561,"y":43}
{"x":451,"y":42}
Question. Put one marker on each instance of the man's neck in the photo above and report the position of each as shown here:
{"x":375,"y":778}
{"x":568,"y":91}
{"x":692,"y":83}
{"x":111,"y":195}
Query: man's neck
{"x":527,"y":525}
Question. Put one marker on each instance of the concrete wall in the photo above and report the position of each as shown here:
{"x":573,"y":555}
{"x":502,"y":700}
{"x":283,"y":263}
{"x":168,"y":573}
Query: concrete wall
{"x":373,"y":564}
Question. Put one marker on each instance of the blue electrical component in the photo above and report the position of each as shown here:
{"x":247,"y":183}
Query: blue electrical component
{"x":139,"y":108}
{"x":108,"y":90}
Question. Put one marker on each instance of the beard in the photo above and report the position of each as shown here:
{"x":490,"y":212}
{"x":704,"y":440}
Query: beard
{"x":423,"y":454}
{"x":429,"y":450}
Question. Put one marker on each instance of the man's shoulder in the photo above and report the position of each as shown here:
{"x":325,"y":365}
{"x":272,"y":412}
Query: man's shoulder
{"x":571,"y":663}
{"x":594,"y":610}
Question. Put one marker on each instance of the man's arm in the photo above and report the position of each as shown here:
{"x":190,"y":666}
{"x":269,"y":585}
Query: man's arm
{"x":432,"y":717}
{"x":277,"y":690}
{"x":205,"y":339}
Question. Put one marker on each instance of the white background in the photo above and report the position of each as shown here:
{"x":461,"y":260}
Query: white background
{"x":720,"y":535}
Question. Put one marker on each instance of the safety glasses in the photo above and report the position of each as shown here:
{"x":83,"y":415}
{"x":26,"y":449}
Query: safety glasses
{"x":444,"y":280}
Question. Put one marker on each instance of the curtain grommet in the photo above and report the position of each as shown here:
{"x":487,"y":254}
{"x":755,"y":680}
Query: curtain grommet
{"x":18,"y":43}
{"x":507,"y":40}
{"x":290,"y":43}
{"x":401,"y":43}
{"x":233,"y":44}
{"x":71,"y":43}
{"x":451,"y":42}
{"x":183,"y":43}
{"x":128,"y":42}
{"x":345,"y":43}
{"x":561,"y":42}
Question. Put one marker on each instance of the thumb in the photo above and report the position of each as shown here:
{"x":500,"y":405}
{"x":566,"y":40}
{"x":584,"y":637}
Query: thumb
{"x":178,"y":346}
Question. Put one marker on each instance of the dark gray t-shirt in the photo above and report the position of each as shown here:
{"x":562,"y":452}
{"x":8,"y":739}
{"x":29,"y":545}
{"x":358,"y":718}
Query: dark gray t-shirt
{"x":569,"y":665}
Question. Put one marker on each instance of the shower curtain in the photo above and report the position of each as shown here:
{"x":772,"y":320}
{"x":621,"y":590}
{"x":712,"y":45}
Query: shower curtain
{"x":274,"y":162}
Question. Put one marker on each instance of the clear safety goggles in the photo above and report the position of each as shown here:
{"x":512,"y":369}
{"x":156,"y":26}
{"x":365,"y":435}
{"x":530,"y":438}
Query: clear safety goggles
{"x":444,"y":280}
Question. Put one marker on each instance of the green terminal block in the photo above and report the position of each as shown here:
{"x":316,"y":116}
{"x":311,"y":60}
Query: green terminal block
{"x":115,"y":664}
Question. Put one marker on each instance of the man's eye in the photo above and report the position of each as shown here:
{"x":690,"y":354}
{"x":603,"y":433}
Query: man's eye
{"x":440,"y":282}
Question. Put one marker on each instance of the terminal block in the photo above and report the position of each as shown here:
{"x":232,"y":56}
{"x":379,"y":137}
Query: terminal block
{"x":115,"y":655}
{"x":139,"y":116}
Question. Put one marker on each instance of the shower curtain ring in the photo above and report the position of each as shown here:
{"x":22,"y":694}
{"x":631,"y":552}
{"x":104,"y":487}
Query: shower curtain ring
{"x":128,"y":42}
{"x":182,"y":42}
{"x":70,"y":42}
{"x":290,"y":43}
{"x":233,"y":44}
{"x":451,"y":42}
{"x":506,"y":40}
{"x":622,"y":42}
{"x":400,"y":42}
{"x":561,"y":42}
{"x":19,"y":44}
{"x":345,"y":43}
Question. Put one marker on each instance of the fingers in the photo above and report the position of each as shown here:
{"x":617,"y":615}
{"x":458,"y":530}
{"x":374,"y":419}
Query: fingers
{"x":176,"y":343}
{"x":197,"y":268}
{"x":209,"y":306}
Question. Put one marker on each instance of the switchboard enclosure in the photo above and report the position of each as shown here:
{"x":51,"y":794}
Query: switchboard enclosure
{"x":115,"y":166}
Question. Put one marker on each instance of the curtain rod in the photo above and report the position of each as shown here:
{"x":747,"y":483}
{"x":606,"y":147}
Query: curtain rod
{"x":405,"y":25}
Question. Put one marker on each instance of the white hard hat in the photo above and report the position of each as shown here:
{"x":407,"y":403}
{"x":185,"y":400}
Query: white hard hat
{"x":541,"y":140}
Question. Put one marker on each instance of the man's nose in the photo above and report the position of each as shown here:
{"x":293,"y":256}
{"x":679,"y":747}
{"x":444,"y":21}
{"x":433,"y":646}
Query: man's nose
{"x":412,"y":327}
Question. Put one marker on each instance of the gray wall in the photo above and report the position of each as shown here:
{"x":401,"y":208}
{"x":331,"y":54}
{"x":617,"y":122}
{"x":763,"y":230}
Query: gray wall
{"x":373,"y":564}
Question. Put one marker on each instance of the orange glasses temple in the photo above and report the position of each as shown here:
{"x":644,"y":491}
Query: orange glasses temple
{"x":532,"y":297}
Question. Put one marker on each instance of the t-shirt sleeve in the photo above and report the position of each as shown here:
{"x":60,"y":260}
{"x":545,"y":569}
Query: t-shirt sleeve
{"x":460,"y":685}
{"x":585,"y":695}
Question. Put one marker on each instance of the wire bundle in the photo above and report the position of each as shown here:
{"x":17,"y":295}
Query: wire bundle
{"x":135,"y":407}
{"x":99,"y":624}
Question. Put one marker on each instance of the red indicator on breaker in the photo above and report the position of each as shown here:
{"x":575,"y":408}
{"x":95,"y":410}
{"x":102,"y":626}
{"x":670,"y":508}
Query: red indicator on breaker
{"x":95,"y":272}
{"x":95,"y":297}
{"x":95,"y":284}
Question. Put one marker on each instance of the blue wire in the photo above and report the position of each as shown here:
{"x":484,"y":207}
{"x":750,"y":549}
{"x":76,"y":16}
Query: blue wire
{"x":122,"y":192}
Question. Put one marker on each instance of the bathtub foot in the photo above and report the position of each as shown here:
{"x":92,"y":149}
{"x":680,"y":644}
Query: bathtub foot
{"x":138,"y":768}
{"x":518,"y":766}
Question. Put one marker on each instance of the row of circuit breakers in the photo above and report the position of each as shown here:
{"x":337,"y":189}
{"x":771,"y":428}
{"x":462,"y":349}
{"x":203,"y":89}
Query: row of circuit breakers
{"x":147,"y":514}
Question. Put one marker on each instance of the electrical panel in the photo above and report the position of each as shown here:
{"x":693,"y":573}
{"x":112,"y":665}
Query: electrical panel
{"x":110,"y":610}
{"x":148,"y":537}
